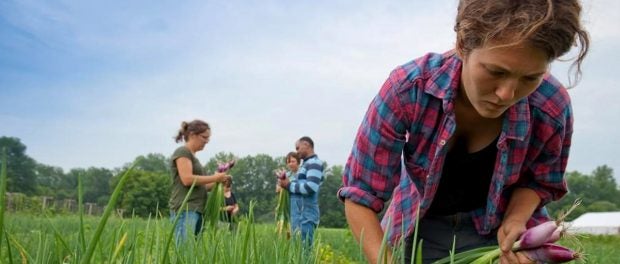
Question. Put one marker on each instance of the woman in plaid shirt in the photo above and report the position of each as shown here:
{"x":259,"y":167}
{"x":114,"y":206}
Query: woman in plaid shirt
{"x":477,"y":137}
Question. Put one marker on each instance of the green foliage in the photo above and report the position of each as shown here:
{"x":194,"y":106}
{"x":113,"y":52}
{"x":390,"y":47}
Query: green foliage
{"x":253,"y":180}
{"x":3,"y":180}
{"x":153,"y":162}
{"x":332,"y":209}
{"x":148,"y":189}
{"x":598,"y":193}
{"x":215,"y":202}
{"x":144,"y":193}
{"x":36,"y":239}
{"x":602,"y":206}
{"x":19,"y":165}
{"x":92,"y":244}
{"x":49,"y":180}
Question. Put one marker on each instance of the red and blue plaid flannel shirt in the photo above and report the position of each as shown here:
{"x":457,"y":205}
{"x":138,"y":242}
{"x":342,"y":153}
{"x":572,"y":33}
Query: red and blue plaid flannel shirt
{"x":400,"y":147}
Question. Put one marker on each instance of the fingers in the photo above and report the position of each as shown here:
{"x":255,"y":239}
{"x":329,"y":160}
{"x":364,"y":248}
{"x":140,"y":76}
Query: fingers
{"x":510,"y":239}
{"x":223,"y":176}
{"x":524,"y":259}
{"x":515,"y":258}
{"x":508,"y":233}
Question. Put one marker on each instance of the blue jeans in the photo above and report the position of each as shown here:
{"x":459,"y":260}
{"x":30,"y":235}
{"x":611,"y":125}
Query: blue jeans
{"x":307,"y":233}
{"x":189,"y":221}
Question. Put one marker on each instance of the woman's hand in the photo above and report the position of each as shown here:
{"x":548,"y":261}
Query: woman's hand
{"x":222,"y":176}
{"x":507,"y":234}
{"x":283,"y":183}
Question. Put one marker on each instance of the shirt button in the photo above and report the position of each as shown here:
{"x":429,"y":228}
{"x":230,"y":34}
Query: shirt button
{"x":442,"y":142}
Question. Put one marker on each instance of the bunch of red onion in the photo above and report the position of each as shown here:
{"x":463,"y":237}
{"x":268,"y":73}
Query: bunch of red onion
{"x":281,"y":174}
{"x":537,"y":243}
{"x":225,"y":166}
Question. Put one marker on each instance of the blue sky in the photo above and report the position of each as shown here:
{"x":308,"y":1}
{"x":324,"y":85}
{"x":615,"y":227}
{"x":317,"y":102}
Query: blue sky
{"x":86,"y":83}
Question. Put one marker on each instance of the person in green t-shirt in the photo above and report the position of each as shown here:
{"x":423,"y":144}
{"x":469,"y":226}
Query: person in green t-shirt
{"x":186,"y":169}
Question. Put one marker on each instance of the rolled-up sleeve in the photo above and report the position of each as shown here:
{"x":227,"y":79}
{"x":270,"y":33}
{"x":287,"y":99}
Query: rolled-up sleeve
{"x":547,"y":171}
{"x":374,"y":165}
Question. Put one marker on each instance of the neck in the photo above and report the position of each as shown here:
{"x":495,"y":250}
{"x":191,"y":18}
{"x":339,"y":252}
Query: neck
{"x":190,"y":147}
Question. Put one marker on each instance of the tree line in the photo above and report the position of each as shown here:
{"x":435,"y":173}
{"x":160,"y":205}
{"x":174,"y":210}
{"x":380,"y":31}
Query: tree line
{"x":147,"y":191}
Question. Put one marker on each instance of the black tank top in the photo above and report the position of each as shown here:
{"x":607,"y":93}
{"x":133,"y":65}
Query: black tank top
{"x":465,"y":180}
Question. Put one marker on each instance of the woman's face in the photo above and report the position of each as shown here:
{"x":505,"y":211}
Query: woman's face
{"x":292,"y":164}
{"x":493,"y":79}
{"x":201,"y":140}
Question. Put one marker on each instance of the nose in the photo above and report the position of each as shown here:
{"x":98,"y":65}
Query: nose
{"x":506,"y":90}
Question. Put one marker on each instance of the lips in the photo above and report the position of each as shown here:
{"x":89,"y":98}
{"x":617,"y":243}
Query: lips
{"x":494,"y":105}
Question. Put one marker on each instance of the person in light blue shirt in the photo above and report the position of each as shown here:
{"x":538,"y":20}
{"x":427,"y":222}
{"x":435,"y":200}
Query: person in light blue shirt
{"x":304,"y":191}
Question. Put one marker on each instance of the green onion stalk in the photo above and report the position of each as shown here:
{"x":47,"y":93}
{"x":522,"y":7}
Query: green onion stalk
{"x":215,"y":200}
{"x":283,"y":208}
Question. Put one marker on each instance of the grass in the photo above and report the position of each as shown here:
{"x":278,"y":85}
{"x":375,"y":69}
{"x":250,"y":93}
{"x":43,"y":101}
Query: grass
{"x":56,"y":239}
{"x":63,"y":239}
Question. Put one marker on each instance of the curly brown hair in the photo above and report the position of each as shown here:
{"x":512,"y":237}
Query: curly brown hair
{"x":553,"y":26}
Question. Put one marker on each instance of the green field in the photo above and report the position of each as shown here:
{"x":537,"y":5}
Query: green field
{"x":57,"y":239}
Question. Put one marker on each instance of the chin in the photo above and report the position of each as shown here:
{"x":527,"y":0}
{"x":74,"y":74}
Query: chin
{"x":490,"y":114}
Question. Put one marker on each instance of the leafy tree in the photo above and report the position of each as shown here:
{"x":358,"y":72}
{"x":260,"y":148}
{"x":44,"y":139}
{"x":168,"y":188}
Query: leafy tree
{"x":20,"y":167}
{"x":144,"y":192}
{"x":598,"y":192}
{"x":604,"y":185}
{"x":153,"y":162}
{"x":69,"y":184}
{"x":148,"y":188}
{"x":48,"y":179}
{"x":96,"y":183}
{"x":332,"y":210}
{"x":253,"y":179}
{"x":602,"y":206}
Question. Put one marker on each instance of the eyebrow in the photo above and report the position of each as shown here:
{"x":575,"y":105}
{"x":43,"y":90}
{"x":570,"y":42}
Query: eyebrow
{"x":497,"y":67}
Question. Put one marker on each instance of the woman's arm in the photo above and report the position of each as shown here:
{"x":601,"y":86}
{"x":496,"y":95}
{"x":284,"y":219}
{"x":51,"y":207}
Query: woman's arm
{"x":366,"y":229}
{"x":184,"y":165}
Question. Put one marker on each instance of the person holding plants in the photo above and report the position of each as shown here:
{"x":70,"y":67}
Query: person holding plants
{"x":231,"y":207}
{"x":292,"y":161}
{"x":304,"y":191}
{"x":188,"y":175}
{"x":285,"y":207}
{"x":476,"y":138}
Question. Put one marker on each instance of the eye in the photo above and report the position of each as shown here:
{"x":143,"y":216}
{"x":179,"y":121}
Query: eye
{"x":496,"y":73}
{"x":531,"y":78}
